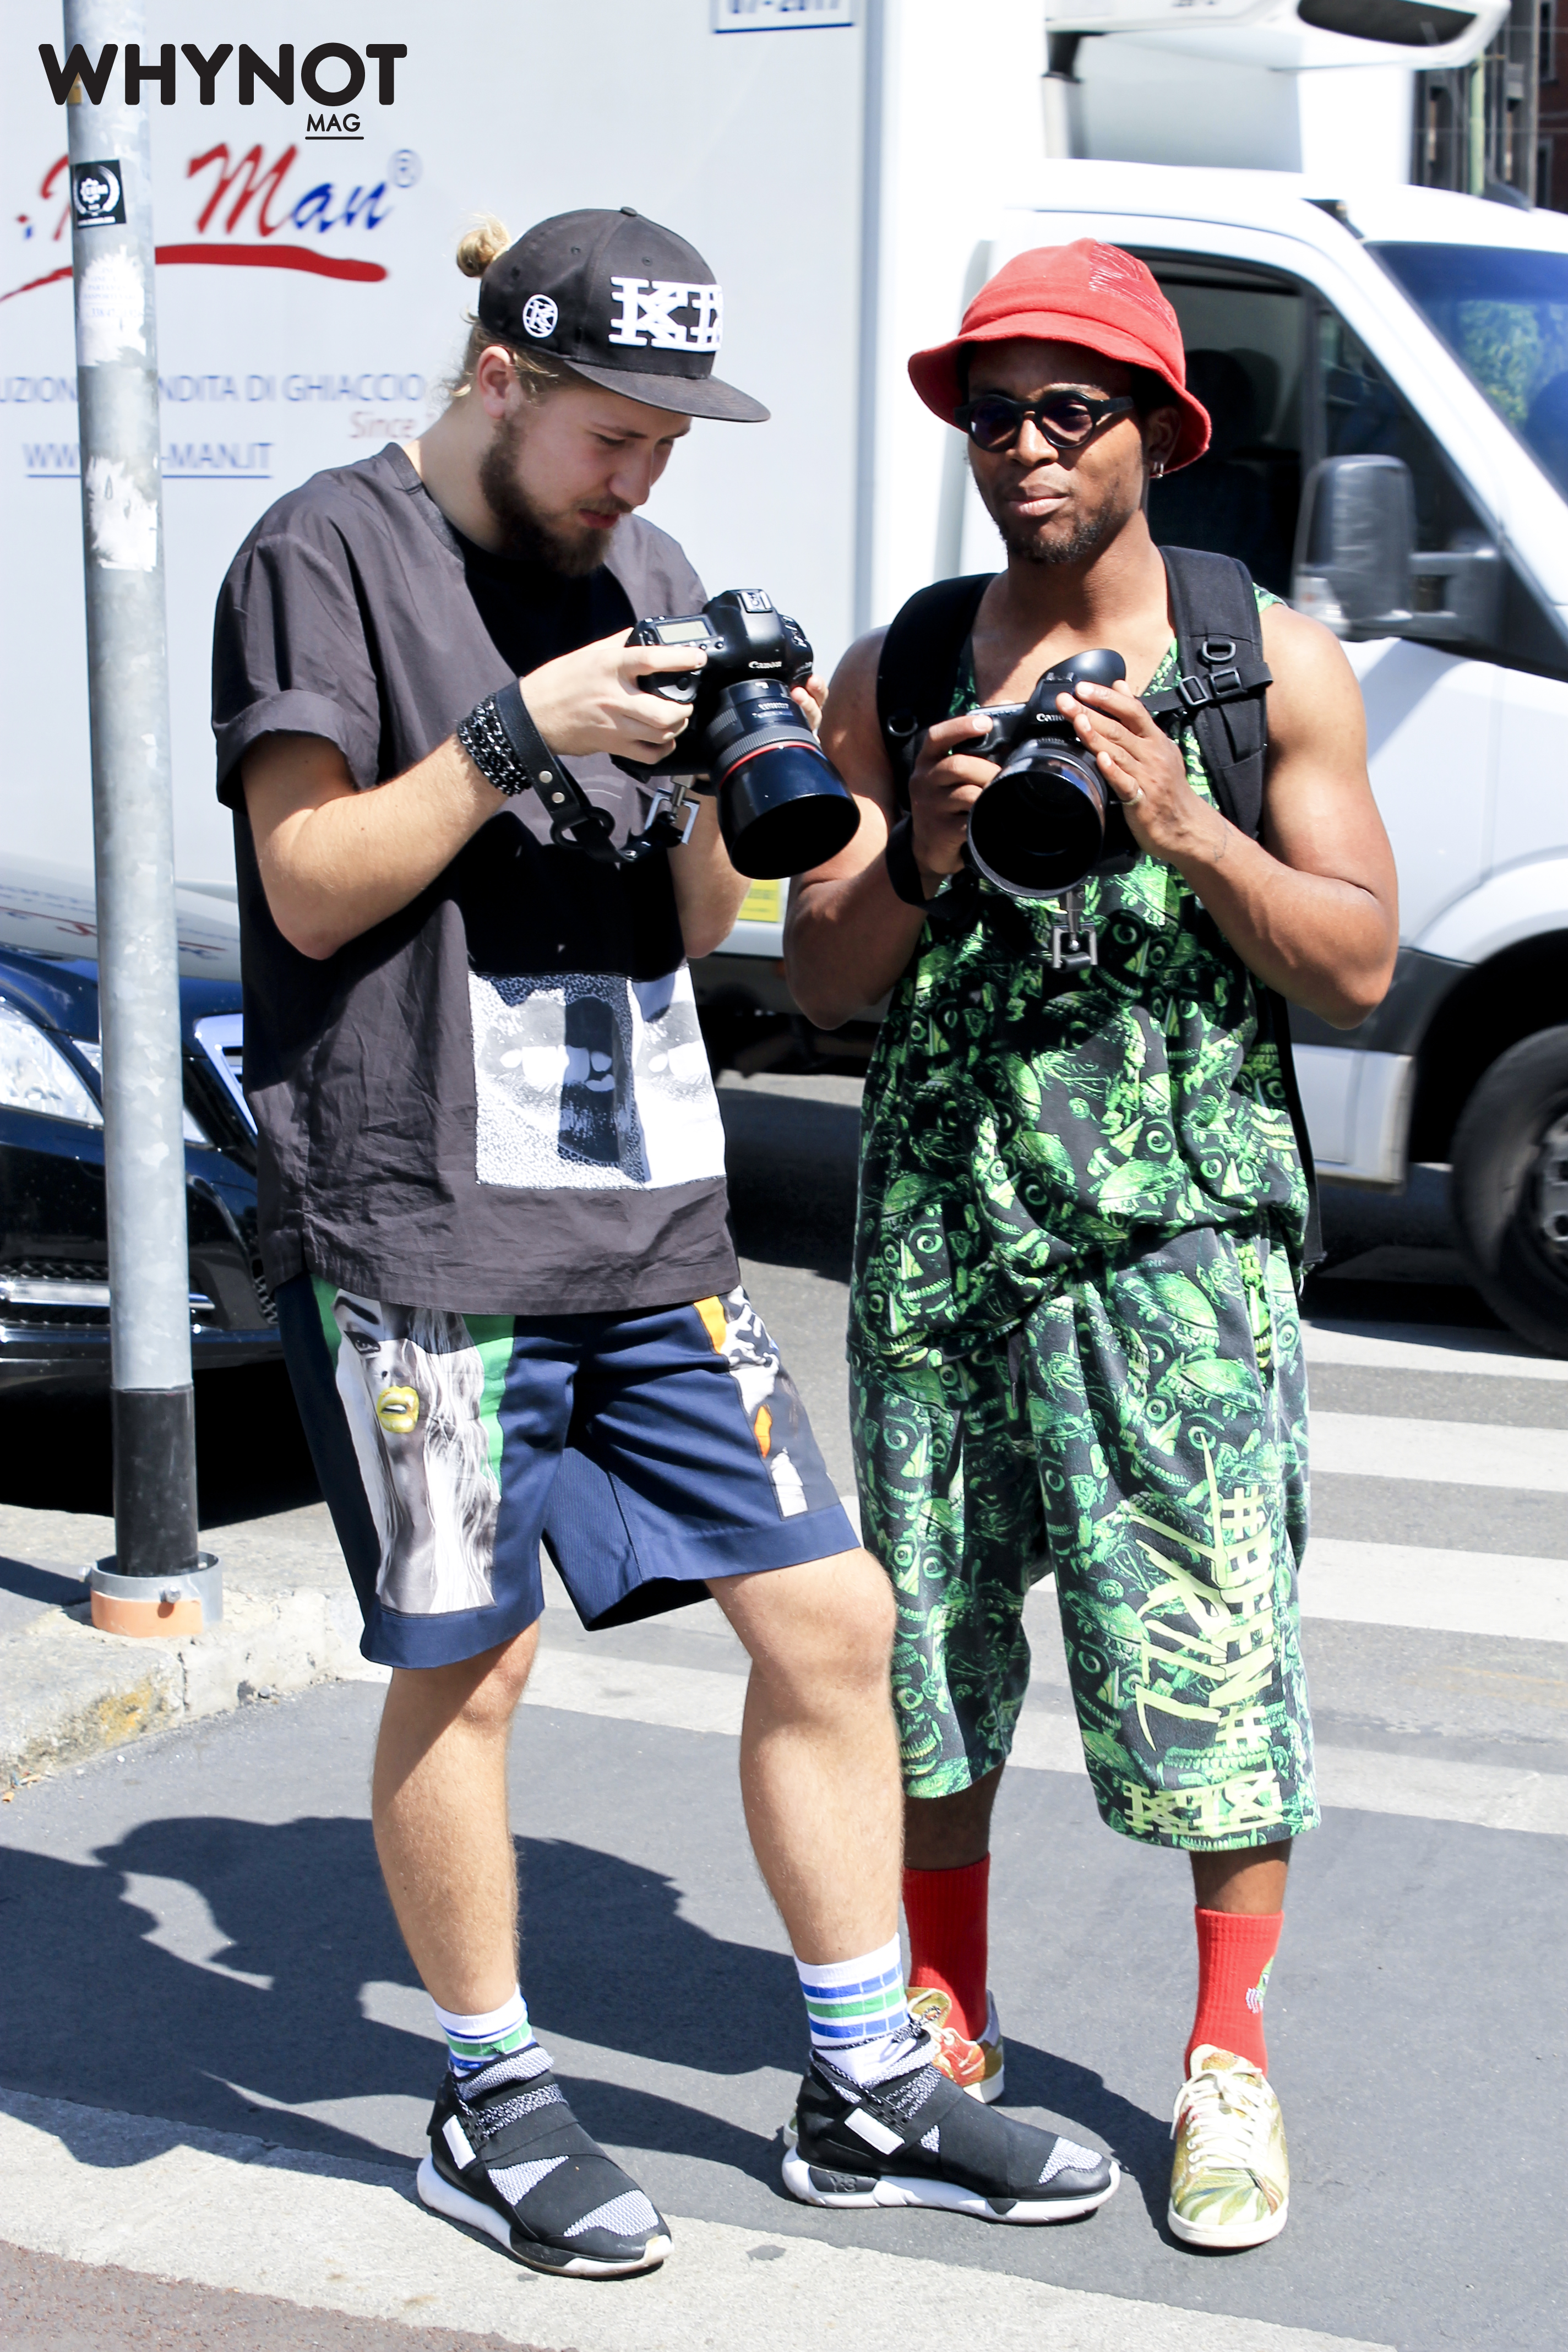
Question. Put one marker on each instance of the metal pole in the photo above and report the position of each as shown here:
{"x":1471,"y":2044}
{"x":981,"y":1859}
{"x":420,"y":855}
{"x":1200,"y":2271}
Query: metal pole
{"x":875,"y":67}
{"x":156,"y":1555}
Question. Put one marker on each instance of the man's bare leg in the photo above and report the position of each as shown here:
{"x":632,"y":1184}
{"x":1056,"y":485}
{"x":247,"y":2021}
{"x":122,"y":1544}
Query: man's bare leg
{"x":951,"y":1833}
{"x":820,"y":1780}
{"x":819,"y":1757}
{"x":1250,"y":1883}
{"x":947,"y":1832}
{"x":438,"y":1804}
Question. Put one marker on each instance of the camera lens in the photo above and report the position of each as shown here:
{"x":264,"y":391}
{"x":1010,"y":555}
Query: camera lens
{"x":782,"y":807}
{"x":1039,"y":826}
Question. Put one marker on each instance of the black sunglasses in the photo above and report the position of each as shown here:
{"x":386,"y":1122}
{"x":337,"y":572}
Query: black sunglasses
{"x":1065,"y":419}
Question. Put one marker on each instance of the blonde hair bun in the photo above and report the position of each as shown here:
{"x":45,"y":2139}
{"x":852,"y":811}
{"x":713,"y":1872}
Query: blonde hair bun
{"x":479,"y":247}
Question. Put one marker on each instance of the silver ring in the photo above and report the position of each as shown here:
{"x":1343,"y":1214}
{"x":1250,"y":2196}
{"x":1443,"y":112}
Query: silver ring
{"x":1132,"y":799}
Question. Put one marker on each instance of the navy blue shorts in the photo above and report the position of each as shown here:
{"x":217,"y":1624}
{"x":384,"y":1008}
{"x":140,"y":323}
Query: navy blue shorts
{"x":649,"y":1453}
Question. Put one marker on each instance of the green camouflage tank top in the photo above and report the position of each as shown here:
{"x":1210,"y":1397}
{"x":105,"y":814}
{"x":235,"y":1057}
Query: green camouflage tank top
{"x":1021,"y":1122}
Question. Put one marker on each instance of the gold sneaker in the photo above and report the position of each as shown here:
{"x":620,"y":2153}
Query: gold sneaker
{"x":978,"y":2067}
{"x":1230,"y":2182}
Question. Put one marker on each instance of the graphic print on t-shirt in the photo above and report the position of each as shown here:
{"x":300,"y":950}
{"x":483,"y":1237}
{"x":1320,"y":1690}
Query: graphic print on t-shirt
{"x":412,"y":1382}
{"x":589,"y":1080}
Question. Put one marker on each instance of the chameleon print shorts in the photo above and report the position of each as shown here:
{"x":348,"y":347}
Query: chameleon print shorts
{"x":1143,"y":1437}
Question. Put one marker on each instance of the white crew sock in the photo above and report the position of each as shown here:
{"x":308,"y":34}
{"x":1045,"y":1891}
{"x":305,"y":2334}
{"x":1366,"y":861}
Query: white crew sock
{"x":474,"y":2043}
{"x":859,"y":2016}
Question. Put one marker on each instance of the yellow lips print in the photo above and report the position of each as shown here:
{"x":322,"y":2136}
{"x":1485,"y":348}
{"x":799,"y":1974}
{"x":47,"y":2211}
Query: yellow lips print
{"x":398,"y":1410}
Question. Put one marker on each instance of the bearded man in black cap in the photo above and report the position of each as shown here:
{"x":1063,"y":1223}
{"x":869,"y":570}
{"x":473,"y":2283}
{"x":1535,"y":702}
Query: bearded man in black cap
{"x":494,"y":1214}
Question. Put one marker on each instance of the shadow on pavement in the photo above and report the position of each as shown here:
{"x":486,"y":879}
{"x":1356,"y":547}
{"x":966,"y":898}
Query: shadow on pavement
{"x":1139,"y":2141}
{"x":608,"y":1960}
{"x":267,"y":2016}
{"x":44,"y":1585}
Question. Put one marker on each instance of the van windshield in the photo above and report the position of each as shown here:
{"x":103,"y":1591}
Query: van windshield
{"x":1503,"y":313}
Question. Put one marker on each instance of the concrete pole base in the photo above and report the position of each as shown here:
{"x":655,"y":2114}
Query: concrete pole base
{"x":188,"y":1601}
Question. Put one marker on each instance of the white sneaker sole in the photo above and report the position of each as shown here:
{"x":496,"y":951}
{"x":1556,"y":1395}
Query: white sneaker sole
{"x":943,"y":2196}
{"x":456,"y":2205}
{"x":1237,"y":2234}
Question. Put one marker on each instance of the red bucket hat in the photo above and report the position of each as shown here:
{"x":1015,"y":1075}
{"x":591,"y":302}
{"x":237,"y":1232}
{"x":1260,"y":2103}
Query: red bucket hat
{"x":1086,"y":293}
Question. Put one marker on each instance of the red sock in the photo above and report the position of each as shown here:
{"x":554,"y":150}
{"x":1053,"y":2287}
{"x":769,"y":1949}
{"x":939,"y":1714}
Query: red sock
{"x":1235,"y":1953}
{"x":946,"y":1910}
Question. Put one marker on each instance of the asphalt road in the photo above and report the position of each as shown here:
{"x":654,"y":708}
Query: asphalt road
{"x":193,"y":1929}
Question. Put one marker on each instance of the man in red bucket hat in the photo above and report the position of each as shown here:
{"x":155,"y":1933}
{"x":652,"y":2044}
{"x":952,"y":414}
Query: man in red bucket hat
{"x":1085,"y":1206}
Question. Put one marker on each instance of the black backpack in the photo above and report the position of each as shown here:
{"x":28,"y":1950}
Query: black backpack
{"x":1221,"y":679}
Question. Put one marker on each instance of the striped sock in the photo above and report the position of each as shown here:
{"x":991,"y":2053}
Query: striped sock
{"x":857,"y":2012}
{"x":477,"y":2042}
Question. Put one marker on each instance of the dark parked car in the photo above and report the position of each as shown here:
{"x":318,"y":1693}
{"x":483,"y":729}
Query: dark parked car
{"x":54,"y":1253}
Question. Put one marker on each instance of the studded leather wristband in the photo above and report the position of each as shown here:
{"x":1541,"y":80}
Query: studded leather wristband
{"x":490,"y":747}
{"x":903,"y":872}
{"x":501,"y":740}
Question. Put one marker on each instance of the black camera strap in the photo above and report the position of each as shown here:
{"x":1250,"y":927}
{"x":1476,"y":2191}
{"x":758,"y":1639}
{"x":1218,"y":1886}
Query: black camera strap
{"x":1221,"y":682}
{"x":575,"y":821}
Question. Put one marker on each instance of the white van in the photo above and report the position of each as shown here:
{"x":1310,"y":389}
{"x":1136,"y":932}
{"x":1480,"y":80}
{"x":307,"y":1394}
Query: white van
{"x":853,"y":170}
{"x":1388,"y":377}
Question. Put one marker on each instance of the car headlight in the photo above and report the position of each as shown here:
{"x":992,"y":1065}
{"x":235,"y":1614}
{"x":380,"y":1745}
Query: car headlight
{"x":189,"y":1127}
{"x":36,"y":1075}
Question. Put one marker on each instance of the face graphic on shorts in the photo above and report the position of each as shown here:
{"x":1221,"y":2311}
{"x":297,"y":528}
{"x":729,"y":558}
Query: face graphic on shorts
{"x":412,"y":1383}
{"x":390,"y":1367}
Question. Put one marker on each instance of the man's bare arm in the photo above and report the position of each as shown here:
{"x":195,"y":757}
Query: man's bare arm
{"x":336,"y":862}
{"x":1312,"y":908}
{"x":707,"y":890}
{"x":849,"y":935}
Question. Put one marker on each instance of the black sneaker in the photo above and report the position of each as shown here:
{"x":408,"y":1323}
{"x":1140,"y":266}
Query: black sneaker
{"x":918,"y":2139}
{"x":510,"y":2158}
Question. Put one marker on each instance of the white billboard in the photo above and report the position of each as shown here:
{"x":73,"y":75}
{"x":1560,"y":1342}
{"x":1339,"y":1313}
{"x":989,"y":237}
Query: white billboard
{"x":310,"y":192}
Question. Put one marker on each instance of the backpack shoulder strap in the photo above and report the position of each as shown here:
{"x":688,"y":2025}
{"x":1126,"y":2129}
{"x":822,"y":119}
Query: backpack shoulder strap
{"x":1221,"y":681}
{"x":914,"y":674}
{"x":1220,"y":677}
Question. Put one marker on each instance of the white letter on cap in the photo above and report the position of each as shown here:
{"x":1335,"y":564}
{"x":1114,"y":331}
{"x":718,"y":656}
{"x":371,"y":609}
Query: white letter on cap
{"x":707,"y":301}
{"x":648,"y":314}
{"x":628,"y":292}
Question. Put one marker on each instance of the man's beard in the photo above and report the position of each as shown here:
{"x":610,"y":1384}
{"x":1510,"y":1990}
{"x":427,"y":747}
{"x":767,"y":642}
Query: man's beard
{"x":528,"y":535}
{"x":1086,"y":536}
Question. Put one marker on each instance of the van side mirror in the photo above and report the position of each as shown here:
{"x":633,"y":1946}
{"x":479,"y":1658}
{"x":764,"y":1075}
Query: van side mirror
{"x":1356,"y":567}
{"x":1355,"y":543}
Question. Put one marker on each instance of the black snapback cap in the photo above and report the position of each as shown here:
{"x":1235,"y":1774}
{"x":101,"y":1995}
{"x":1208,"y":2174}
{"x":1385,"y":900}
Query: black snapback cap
{"x":625,"y":303}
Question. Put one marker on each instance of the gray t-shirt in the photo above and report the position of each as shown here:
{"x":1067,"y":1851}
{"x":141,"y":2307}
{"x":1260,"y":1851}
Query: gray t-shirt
{"x":497,"y":1101}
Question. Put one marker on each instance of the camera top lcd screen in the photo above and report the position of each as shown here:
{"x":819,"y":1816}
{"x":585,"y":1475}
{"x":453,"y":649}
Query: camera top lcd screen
{"x":680,"y":633}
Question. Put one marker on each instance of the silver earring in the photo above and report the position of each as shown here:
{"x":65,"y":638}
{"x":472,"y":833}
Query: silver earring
{"x":1157,"y":468}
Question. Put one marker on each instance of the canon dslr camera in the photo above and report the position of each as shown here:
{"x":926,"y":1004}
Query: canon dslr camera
{"x":1040,"y":825}
{"x":782,"y":807}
